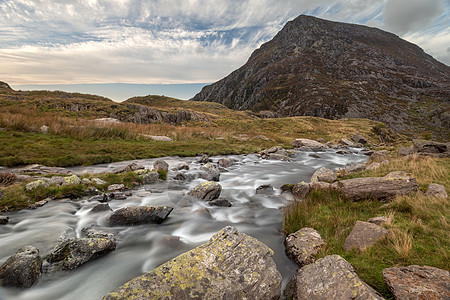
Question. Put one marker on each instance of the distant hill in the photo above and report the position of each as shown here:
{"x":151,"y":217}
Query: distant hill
{"x":315,"y":67}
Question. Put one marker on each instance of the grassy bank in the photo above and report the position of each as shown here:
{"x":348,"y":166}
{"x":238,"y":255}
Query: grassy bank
{"x":418,"y":231}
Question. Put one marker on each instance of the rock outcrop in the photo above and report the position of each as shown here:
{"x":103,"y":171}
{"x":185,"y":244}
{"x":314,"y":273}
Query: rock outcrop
{"x":137,"y":215}
{"x":22,"y":269}
{"x":331,"y":277}
{"x":231,"y":265}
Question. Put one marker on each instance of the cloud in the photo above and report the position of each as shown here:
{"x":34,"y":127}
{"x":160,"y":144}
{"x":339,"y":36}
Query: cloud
{"x":405,"y":16}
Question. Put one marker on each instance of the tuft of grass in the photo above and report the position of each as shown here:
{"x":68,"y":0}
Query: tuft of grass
{"x":162,"y":174}
{"x":7,"y":178}
{"x":402,"y":242}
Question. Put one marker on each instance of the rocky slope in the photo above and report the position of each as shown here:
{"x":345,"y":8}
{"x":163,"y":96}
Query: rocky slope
{"x":334,"y":70}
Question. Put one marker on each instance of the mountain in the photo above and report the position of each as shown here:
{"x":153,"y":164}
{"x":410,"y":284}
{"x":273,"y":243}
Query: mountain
{"x":335,"y":70}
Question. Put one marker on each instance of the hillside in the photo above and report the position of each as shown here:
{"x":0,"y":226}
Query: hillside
{"x":314,"y":67}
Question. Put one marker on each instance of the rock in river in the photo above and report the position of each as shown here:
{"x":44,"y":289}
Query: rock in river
{"x":207,"y":191}
{"x":22,"y":269}
{"x":139,"y":215}
{"x":231,"y":265}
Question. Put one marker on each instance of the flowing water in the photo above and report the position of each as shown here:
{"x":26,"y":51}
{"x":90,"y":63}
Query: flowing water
{"x":144,"y":247}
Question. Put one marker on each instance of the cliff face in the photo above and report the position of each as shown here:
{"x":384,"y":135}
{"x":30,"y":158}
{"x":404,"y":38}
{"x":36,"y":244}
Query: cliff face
{"x":333,"y":70}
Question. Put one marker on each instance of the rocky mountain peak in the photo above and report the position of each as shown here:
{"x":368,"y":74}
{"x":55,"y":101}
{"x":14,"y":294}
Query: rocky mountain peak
{"x":328,"y":69}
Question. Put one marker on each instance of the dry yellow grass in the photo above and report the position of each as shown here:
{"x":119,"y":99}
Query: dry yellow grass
{"x":402,"y":242}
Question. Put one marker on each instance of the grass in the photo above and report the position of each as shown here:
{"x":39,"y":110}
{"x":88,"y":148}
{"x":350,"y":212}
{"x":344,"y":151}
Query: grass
{"x":418,"y":230}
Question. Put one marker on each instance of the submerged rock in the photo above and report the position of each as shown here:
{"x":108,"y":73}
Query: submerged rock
{"x":265,"y":189}
{"x":4,"y":220}
{"x":231,"y":265}
{"x":22,"y":269}
{"x":331,"y":277}
{"x":223,"y":202}
{"x":139,"y":215}
{"x":206,"y":191}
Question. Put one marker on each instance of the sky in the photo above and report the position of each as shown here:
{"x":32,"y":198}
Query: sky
{"x":177,"y":44}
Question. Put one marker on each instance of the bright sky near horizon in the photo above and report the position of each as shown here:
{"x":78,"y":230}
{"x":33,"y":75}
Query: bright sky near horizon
{"x":46,"y":42}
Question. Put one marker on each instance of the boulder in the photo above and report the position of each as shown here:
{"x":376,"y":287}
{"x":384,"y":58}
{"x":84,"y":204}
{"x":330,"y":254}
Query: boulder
{"x":117,"y":196}
{"x":139,"y":215}
{"x":223,"y":202}
{"x":226,"y":162}
{"x":39,"y":203}
{"x":203,"y":212}
{"x":436,"y":190}
{"x":417,"y":282}
{"x":373,"y":166}
{"x":276,"y":156}
{"x":308,"y":145}
{"x":74,"y":179}
{"x":180,"y":176}
{"x":160,"y":164}
{"x":343,"y":152}
{"x":364,"y":235}
{"x":40,"y":169}
{"x":315,"y":155}
{"x":57,"y":180}
{"x":209,"y":167}
{"x":265,"y":189}
{"x":98,"y":181}
{"x":90,"y":232}
{"x":210,"y":176}
{"x":324,"y":175}
{"x":357,"y":138}
{"x":231,"y":265}
{"x":380,"y":221}
{"x":204,"y":159}
{"x":149,"y":178}
{"x":403,"y":151}
{"x":206,"y":191}
{"x":301,"y":189}
{"x":4,"y":220}
{"x":355,"y":168}
{"x":36,"y":184}
{"x":432,"y":148}
{"x":377,"y":188}
{"x":347,"y":142}
{"x":22,"y":269}
{"x":116,"y":187}
{"x":331,"y":277}
{"x":380,"y":156}
{"x":129,"y":168}
{"x":100,"y":207}
{"x":85,"y":181}
{"x":183,"y":166}
{"x":303,"y":245}
{"x":72,"y":253}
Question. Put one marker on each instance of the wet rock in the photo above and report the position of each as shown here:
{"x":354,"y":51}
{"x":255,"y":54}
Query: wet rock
{"x":303,"y":245}
{"x":436,"y":190}
{"x":22,"y":269}
{"x":206,"y":191}
{"x":93,"y":233}
{"x":160,"y":164}
{"x":276,"y":156}
{"x":323,"y":175}
{"x":203,"y":212}
{"x":180,"y":176}
{"x":117,"y":196}
{"x":98,"y":181}
{"x":315,"y":155}
{"x":226,"y":162}
{"x":265,"y":189}
{"x":403,"y":151}
{"x":331,"y":277}
{"x":4,"y":220}
{"x":358,"y":138}
{"x":343,"y":152}
{"x":36,"y":184}
{"x":151,"y":177}
{"x":100,"y":207}
{"x":116,"y":187}
{"x":300,"y":190}
{"x":380,"y":221}
{"x":231,"y":265}
{"x":183,"y":166}
{"x":417,"y":282}
{"x":212,"y":175}
{"x":139,"y":215}
{"x":223,"y":202}
{"x":128,"y":168}
{"x":209,"y":167}
{"x":377,"y":188}
{"x":308,"y":145}
{"x":364,"y":235}
{"x":39,"y":203}
{"x":204,"y":159}
{"x":73,"y":253}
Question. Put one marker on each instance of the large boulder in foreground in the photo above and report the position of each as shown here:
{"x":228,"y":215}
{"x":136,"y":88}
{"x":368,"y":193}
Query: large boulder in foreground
{"x":137,"y":215}
{"x":303,"y":245}
{"x":364,"y":235}
{"x":377,"y":188}
{"x":22,"y":269}
{"x":73,"y":253}
{"x":231,"y":265}
{"x":418,"y":282}
{"x":207,"y":191}
{"x":308,"y":145}
{"x":331,"y":277}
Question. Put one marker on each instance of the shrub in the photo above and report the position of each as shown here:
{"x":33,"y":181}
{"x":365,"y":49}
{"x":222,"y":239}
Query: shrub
{"x":7,"y":178}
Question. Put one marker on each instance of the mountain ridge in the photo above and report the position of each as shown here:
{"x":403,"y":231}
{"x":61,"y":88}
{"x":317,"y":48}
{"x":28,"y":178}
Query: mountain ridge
{"x":335,"y":70}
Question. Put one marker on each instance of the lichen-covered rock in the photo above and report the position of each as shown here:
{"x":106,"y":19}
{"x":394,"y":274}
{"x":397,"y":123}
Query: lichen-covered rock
{"x":160,"y":164}
{"x":36,"y":184}
{"x":136,"y":215}
{"x":74,"y":179}
{"x":436,"y":190}
{"x":377,"y":188}
{"x":303,"y":245}
{"x":57,"y":180}
{"x":22,"y":269}
{"x":206,"y":191}
{"x":226,"y":162}
{"x":308,"y":145}
{"x":116,"y":187}
{"x":73,"y":253}
{"x":418,"y":282}
{"x":331,"y":277}
{"x":364,"y":235}
{"x":151,"y":177}
{"x":231,"y":265}
{"x":403,"y":151}
{"x":85,"y":181}
{"x":40,"y":169}
{"x":301,"y":189}
{"x":98,"y":181}
{"x":324,"y":175}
